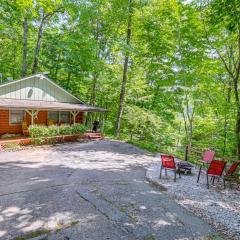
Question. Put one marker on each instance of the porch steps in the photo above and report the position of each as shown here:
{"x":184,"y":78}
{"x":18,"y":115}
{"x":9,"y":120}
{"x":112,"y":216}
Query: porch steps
{"x":94,"y":136}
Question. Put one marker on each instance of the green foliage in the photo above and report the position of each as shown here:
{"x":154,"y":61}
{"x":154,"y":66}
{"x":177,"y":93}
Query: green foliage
{"x":53,"y":131}
{"x":39,"y":131}
{"x":78,"y":128}
{"x":43,"y":134}
{"x":65,"y":130}
{"x":142,"y":124}
{"x":174,"y":61}
{"x":147,"y":145}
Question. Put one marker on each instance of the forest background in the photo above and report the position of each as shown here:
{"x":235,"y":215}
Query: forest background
{"x":168,"y":71}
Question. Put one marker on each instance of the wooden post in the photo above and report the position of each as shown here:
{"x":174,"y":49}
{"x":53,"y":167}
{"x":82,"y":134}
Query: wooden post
{"x":32,"y":118}
{"x":33,"y":114}
{"x":74,"y":114}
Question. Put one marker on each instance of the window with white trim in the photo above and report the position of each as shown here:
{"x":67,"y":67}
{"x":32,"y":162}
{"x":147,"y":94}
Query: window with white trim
{"x":17,"y":116}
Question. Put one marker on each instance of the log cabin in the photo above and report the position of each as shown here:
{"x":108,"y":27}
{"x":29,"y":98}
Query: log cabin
{"x":38,"y":100}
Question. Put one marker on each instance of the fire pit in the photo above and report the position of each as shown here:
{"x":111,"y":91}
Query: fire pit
{"x":185,"y":167}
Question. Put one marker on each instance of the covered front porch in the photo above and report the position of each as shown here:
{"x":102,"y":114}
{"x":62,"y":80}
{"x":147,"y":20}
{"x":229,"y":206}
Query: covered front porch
{"x":17,"y":115}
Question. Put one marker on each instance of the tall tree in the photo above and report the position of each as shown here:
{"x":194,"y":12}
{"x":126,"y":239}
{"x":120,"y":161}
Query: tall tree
{"x":47,"y":9}
{"x":223,"y":20}
{"x":24,"y":51}
{"x":125,"y":70}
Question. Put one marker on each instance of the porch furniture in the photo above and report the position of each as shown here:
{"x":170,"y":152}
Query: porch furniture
{"x":25,"y":128}
{"x":215,"y":170}
{"x":229,"y":175}
{"x":207,"y":158}
{"x":168,"y":163}
{"x":50,"y":122}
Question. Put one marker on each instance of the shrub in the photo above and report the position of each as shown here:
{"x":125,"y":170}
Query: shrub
{"x":78,"y":128}
{"x":65,"y":130}
{"x":53,"y":131}
{"x":38,"y":131}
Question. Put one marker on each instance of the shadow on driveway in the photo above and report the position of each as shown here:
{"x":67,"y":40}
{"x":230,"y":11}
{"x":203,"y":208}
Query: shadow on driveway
{"x":94,"y":190}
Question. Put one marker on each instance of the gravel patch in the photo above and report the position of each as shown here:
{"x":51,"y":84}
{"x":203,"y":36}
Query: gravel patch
{"x":220,"y":207}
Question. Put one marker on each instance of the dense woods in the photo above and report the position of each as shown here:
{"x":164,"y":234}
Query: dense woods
{"x":168,"y":71}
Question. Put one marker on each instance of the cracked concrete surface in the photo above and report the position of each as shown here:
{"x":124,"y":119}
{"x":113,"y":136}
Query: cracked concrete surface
{"x":94,"y":190}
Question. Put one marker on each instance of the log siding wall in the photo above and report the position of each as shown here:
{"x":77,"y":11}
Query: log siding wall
{"x":6,"y":127}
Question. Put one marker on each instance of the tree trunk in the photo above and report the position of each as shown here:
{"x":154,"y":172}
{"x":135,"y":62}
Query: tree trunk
{"x":237,"y":117}
{"x":226,"y":110}
{"x":14,"y":59}
{"x":235,"y":82}
{"x":45,"y":17}
{"x":24,"y":51}
{"x":94,"y":84}
{"x":125,"y":70}
{"x":38,"y":47}
{"x":238,"y":132}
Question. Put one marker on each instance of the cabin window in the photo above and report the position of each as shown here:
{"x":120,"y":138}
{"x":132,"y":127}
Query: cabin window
{"x":54,"y":116}
{"x":17,"y":116}
{"x":59,"y":117}
{"x":64,"y":117}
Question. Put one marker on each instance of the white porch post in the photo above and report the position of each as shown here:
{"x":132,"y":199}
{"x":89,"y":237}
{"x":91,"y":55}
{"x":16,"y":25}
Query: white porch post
{"x":74,"y":114}
{"x":33,"y":114}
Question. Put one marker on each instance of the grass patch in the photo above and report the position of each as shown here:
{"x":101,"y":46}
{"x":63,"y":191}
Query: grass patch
{"x":66,"y":225}
{"x":158,"y":186}
{"x":73,"y":223}
{"x":122,"y":210}
{"x":11,"y":146}
{"x":151,"y":147}
{"x":33,"y":235}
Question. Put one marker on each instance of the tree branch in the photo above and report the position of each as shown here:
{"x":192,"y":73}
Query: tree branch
{"x":217,"y":50}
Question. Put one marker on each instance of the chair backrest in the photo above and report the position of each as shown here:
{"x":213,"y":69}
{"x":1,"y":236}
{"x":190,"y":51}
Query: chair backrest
{"x":208,"y":156}
{"x":216,"y":167}
{"x":50,"y":122}
{"x":168,"y":161}
{"x":233,"y":168}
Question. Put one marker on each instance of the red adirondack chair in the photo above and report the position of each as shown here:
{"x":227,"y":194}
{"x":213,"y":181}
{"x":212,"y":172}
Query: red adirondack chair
{"x":168,"y":163}
{"x":232,"y":169}
{"x":214,"y":170}
{"x":230,"y":172}
{"x":207,"y":158}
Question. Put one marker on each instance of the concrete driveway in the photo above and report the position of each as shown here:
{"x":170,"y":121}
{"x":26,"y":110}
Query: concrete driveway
{"x":94,"y":190}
